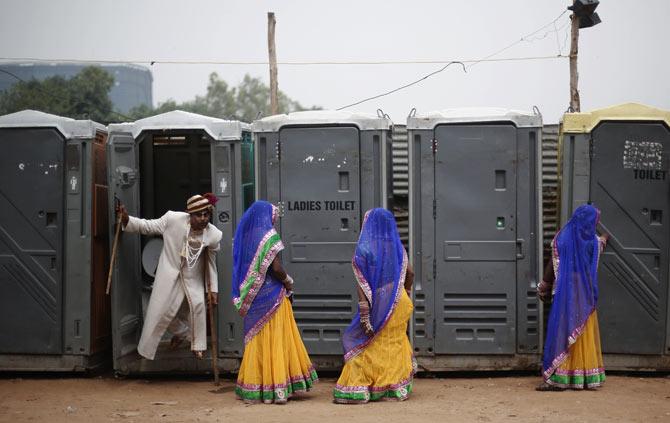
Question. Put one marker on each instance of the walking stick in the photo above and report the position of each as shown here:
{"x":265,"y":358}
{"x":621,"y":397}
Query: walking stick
{"x":212,"y":328}
{"x":111,"y":260}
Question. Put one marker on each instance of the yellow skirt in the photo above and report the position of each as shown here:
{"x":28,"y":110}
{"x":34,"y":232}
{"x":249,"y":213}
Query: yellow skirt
{"x":275,"y":363}
{"x":583,"y":367}
{"x":385,"y":368}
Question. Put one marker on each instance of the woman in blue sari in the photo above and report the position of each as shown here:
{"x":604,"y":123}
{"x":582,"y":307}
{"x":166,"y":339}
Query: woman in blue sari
{"x":379,"y":363}
{"x":572,"y":354}
{"x":275,"y":364}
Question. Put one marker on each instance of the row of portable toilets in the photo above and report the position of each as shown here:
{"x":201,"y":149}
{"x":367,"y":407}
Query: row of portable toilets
{"x":475,"y":229}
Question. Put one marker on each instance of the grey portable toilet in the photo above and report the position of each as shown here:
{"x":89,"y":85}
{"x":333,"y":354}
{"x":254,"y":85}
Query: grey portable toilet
{"x":54,"y":252}
{"x":618,"y":158}
{"x":156,"y":164}
{"x":324,"y":169}
{"x":475,"y":238}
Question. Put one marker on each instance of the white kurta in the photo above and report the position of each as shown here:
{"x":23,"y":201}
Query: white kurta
{"x":173,"y":283}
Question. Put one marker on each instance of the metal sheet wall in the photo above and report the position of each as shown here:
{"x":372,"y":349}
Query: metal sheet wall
{"x":400,"y":163}
{"x":550,"y":186}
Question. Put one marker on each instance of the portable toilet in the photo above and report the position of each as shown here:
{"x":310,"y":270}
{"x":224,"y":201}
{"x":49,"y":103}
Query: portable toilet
{"x":618,"y":159}
{"x":156,"y":164}
{"x":475,"y":238}
{"x":54,"y":253}
{"x":324,"y":169}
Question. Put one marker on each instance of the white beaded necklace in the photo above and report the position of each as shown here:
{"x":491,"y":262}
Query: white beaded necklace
{"x":193,"y":248}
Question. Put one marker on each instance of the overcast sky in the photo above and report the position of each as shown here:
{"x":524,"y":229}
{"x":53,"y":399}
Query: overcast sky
{"x":623,"y":59}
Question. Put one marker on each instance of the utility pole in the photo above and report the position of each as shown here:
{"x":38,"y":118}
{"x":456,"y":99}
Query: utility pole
{"x":583,"y":16}
{"x":574,"y":75}
{"x":274,"y":103}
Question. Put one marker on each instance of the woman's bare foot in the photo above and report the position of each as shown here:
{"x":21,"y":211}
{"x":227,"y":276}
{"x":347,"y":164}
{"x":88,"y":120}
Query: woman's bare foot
{"x":544,"y":386}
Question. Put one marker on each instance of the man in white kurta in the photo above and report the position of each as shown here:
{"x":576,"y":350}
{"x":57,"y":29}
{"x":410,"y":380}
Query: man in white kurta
{"x":190,"y":243}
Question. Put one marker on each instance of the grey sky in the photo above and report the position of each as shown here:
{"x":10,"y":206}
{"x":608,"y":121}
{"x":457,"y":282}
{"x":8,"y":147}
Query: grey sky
{"x":623,"y":59}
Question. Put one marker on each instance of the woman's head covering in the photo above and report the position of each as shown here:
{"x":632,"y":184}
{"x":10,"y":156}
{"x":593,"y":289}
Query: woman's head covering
{"x":255,"y":245}
{"x":199,"y":202}
{"x":576,"y":248}
{"x":379,"y":264}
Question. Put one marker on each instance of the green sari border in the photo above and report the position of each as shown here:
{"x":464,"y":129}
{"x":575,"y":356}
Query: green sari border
{"x":277,"y":393}
{"x":364,"y":395}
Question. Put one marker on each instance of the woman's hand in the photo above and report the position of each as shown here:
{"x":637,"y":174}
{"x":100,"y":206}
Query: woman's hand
{"x":366,"y":325}
{"x":605,"y":238}
{"x":288,"y":283}
{"x":544,"y":291}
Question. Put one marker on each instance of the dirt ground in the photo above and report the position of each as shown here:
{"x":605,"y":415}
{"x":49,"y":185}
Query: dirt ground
{"x":448,"y":399}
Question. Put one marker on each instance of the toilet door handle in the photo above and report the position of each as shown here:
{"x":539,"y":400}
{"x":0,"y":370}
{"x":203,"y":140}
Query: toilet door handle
{"x":520,"y":254}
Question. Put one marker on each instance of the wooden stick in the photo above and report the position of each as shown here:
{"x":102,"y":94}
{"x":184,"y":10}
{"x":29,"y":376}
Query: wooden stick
{"x":210,"y":312}
{"x":272,"y":53}
{"x":575,"y":104}
{"x":113,"y":258}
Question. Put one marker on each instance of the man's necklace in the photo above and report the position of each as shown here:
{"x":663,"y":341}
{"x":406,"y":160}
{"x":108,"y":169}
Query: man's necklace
{"x":193,"y":248}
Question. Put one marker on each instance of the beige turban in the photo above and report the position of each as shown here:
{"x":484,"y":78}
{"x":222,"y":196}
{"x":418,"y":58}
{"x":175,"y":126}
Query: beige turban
{"x":198,"y":203}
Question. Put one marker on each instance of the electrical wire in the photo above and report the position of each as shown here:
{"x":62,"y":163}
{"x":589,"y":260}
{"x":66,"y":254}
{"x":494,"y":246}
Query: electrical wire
{"x":284,"y":63}
{"x":530,"y":37}
{"x":473,"y":63}
{"x":526,"y":38}
{"x":404,"y":86}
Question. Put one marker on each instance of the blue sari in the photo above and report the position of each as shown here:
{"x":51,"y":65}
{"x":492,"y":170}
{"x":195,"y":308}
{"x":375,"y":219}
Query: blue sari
{"x":256,"y":293}
{"x":576,"y":251}
{"x":379,"y":264}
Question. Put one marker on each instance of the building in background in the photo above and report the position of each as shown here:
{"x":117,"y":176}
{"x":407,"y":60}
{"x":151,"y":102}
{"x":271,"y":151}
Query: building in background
{"x":132,"y":83}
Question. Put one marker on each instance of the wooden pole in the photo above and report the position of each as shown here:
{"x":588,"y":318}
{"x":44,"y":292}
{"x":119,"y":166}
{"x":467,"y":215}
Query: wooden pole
{"x":574,"y":75}
{"x":274,"y":102}
{"x":113,"y":258}
{"x":210,"y":313}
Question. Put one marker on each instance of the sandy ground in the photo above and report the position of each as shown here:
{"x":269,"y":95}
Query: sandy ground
{"x":448,"y":399}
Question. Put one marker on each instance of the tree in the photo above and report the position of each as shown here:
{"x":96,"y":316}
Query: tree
{"x":90,"y":94}
{"x":244,"y":102}
{"x":84,"y":96}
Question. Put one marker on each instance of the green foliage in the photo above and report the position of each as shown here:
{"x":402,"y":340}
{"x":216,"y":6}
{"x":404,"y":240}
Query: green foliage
{"x":84,"y":96}
{"x":90,"y":94}
{"x":244,"y":102}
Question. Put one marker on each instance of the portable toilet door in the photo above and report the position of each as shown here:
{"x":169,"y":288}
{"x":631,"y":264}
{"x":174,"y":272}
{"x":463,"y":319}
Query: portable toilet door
{"x":54,"y":315}
{"x":324,"y":169}
{"x":156,"y":164}
{"x":618,"y":159}
{"x":475,"y":237}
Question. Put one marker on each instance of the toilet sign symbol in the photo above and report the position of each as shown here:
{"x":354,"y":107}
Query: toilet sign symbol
{"x":223,"y":184}
{"x":73,"y":183}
